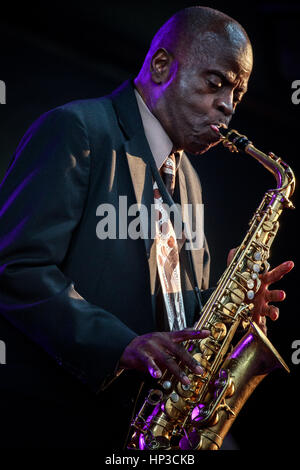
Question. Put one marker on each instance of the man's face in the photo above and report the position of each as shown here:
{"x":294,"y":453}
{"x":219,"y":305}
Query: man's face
{"x":201,"y":93}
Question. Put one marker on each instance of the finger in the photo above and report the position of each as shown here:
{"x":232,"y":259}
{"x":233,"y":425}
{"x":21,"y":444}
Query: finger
{"x":168,"y":362}
{"x":262,"y":324}
{"x":183,"y":335}
{"x":152,"y":367}
{"x":155,"y":358}
{"x":273,"y":312}
{"x":185,"y":358}
{"x":161,"y":360}
{"x":275,"y":295}
{"x":277,"y":273}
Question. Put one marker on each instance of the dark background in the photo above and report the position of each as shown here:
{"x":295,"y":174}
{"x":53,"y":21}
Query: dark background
{"x":55,"y":52}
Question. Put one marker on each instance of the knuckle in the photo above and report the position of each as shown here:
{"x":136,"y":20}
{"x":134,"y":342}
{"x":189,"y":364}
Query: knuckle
{"x":168,"y":359}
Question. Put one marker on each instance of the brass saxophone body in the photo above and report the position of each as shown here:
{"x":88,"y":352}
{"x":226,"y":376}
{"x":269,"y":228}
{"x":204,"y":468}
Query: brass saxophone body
{"x":198,"y":417}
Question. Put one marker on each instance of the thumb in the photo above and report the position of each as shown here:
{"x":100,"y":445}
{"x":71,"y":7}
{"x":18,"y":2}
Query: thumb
{"x":231,"y":255}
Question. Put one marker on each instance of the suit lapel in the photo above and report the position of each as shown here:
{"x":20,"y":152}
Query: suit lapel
{"x":140,"y":173}
{"x":141,"y":163}
{"x":184,"y":198}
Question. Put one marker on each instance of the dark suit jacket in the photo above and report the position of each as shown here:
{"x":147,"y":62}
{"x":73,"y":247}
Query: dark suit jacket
{"x":71,"y":301}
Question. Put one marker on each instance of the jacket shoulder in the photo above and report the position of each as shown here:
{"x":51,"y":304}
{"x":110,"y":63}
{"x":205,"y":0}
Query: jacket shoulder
{"x":90,"y":117}
{"x":90,"y":112}
{"x":85,"y":108}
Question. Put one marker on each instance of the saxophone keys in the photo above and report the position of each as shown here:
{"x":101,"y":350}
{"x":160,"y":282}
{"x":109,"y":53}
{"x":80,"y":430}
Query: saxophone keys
{"x":267,"y":226}
{"x":229,"y":309}
{"x":185,"y":391}
{"x":154,"y":397}
{"x":237,"y":296}
{"x":250,"y":294}
{"x":174,"y":397}
{"x":199,"y":357}
{"x":207,"y":348}
{"x":257,"y":256}
{"x":256,"y":268}
{"x":174,"y":409}
{"x":218,"y":331}
{"x":167,"y":385}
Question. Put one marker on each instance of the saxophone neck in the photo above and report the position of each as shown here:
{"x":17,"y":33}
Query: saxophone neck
{"x":283,"y":174}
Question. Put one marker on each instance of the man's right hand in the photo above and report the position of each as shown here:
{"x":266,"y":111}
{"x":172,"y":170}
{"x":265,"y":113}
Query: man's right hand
{"x":156,"y":352}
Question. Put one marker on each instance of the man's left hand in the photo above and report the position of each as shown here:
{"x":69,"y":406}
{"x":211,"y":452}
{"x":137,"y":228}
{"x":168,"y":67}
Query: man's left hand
{"x":264,"y":297}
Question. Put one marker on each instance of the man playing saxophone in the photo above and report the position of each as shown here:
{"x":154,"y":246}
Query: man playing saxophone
{"x":194,"y":76}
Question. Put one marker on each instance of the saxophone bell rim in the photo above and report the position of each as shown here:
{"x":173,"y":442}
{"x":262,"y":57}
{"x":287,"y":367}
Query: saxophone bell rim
{"x":260,"y":334}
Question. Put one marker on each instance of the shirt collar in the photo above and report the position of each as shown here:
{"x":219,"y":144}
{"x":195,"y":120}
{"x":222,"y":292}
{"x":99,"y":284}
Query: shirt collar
{"x":158,"y":140}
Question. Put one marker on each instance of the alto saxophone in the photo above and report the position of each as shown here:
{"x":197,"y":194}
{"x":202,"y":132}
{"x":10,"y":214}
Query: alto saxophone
{"x":198,"y":416}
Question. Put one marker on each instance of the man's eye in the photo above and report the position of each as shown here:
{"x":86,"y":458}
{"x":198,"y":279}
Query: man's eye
{"x":215,"y":85}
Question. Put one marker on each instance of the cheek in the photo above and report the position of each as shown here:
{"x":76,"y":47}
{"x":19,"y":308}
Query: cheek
{"x":196,"y":121}
{"x":201,"y":104}
{"x":197,"y":109}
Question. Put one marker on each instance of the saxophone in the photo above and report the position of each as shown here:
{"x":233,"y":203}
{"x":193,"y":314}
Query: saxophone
{"x":198,"y":416}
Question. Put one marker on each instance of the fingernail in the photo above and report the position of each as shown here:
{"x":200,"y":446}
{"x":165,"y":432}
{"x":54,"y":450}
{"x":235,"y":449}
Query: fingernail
{"x":199,"y":370}
{"x":282,"y":295}
{"x":289,"y":264}
{"x":186,"y":380}
{"x":274,"y":315}
{"x":156,"y":374}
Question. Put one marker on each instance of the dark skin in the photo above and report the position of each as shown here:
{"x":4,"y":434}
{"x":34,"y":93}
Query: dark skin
{"x":187,"y":97}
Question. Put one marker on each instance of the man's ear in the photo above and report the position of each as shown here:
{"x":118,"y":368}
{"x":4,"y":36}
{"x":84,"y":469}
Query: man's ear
{"x":160,"y":66}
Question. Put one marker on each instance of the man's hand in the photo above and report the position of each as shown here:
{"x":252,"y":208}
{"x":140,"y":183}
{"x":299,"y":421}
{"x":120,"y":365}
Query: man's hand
{"x":155,"y":352}
{"x":264,"y":296}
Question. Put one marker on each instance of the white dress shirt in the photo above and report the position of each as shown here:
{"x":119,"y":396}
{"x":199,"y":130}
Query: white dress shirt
{"x":159,"y":142}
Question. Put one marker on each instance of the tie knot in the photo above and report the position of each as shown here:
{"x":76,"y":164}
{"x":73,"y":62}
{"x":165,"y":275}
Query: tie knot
{"x":168,"y":172}
{"x":169,"y":166}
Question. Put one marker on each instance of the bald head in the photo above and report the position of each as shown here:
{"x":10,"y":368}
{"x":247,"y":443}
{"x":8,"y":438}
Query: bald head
{"x":190,"y":32}
{"x":196,"y":70}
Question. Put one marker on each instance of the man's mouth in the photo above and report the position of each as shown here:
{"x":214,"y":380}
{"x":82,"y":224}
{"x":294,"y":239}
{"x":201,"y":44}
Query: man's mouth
{"x":216,"y":128}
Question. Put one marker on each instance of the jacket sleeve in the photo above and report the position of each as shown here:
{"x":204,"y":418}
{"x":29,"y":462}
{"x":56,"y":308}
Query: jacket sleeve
{"x":42,"y":199}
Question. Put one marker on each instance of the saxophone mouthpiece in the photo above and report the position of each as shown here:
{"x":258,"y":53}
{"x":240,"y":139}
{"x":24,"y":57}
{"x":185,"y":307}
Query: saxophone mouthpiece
{"x":223,"y":132}
{"x":217,"y":129}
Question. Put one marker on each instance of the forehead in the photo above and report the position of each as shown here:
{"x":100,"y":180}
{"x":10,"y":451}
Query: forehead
{"x":232,"y":58}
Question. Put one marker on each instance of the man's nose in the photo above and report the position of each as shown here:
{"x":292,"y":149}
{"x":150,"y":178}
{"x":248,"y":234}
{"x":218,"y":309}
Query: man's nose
{"x":225,"y":105}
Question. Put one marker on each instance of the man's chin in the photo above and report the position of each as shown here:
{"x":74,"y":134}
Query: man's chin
{"x":200,"y":149}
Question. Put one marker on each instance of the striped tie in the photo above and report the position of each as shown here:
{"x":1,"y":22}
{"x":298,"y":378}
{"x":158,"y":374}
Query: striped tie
{"x":167,"y":254}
